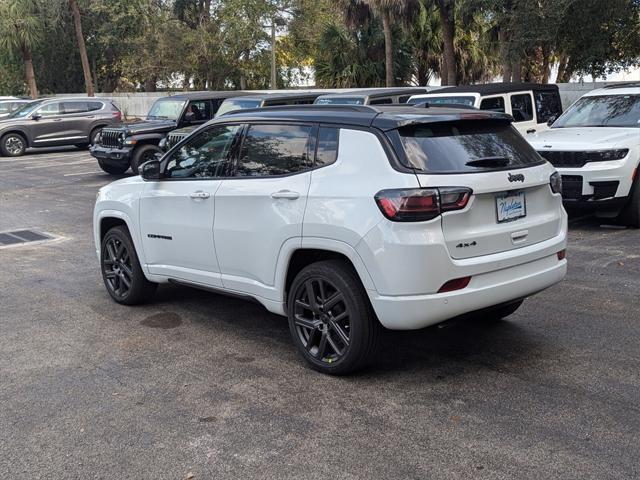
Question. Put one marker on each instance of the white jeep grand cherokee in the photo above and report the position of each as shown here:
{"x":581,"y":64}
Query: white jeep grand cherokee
{"x":595,"y":145}
{"x":343,"y":218}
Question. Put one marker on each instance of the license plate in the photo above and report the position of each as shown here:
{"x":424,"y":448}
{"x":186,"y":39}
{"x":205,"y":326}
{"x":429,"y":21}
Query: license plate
{"x":511,"y":206}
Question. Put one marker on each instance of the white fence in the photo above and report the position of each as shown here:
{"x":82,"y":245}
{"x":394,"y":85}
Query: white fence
{"x":138,"y":104}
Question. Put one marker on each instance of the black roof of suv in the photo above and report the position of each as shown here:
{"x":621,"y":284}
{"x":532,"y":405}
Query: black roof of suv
{"x":384,"y":117}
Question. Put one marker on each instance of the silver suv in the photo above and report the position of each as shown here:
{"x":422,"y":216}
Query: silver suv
{"x":56,"y":122}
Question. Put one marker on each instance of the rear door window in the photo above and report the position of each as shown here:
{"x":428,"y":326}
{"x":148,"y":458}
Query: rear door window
{"x":272,"y":150}
{"x":456,"y":147}
{"x":521,"y":107}
{"x":494,"y":104}
{"x":381,"y":101}
{"x":69,"y":108}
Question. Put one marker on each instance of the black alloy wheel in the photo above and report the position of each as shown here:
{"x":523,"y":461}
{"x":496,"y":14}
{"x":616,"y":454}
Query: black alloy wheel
{"x":121,"y":270}
{"x":322,"y":320}
{"x":330,"y":318}
{"x":118,"y":272}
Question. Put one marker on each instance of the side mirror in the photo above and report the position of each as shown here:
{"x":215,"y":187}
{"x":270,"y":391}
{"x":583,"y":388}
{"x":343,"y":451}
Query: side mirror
{"x":36,"y":117}
{"x":150,"y":170}
{"x":552,"y":119}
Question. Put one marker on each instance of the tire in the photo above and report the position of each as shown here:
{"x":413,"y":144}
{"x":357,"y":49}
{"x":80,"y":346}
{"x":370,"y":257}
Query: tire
{"x":113,"y":169}
{"x":630,"y":215}
{"x":120,"y":266}
{"x":93,"y":136}
{"x":13,"y":145}
{"x":143,"y":154}
{"x":495,"y":314}
{"x":337,"y":336}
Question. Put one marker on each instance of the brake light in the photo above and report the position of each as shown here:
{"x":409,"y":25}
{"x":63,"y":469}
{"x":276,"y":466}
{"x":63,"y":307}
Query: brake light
{"x":456,"y":284}
{"x":117,"y":115}
{"x":421,"y":204}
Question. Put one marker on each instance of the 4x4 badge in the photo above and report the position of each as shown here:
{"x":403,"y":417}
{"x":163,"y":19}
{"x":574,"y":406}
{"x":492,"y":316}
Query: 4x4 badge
{"x":516,"y":178}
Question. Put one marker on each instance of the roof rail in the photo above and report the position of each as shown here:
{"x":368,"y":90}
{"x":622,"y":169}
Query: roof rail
{"x":623,"y":85}
{"x":314,"y":106}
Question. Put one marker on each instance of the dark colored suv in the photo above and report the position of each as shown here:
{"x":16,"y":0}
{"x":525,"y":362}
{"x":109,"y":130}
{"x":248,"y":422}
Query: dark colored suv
{"x":132,"y":144}
{"x":55,"y":122}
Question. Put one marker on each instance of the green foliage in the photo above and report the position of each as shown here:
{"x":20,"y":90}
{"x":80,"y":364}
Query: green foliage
{"x":226,"y":44}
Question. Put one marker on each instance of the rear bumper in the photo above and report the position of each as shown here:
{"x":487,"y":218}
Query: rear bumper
{"x":111,"y":156}
{"x":484,"y":290}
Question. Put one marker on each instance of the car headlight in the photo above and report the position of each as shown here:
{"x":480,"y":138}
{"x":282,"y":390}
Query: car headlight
{"x":617,"y":154}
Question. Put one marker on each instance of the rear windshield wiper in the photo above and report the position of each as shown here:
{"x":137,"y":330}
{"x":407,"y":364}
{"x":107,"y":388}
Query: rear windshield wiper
{"x":489,"y":162}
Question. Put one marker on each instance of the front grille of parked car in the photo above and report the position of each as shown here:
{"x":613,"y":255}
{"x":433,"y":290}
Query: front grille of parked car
{"x":571,"y":187}
{"x":580,"y":159}
{"x":111,"y":138}
{"x":174,"y":137}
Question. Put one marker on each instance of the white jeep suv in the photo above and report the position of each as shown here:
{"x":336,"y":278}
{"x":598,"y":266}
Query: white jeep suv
{"x":595,"y":145}
{"x":343,"y":218}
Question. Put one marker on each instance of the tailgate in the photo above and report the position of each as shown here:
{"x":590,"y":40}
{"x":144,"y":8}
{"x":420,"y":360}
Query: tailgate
{"x":508,"y":210}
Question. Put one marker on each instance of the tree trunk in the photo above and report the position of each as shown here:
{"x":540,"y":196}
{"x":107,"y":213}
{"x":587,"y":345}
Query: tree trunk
{"x":446,"y":8}
{"x":507,"y":70}
{"x":517,"y":71}
{"x":562,"y":69}
{"x":150,"y":85}
{"x":29,"y":73}
{"x":77,"y":22}
{"x":546,"y":60}
{"x":388,"y":48}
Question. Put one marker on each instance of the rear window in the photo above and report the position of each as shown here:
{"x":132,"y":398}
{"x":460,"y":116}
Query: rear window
{"x":339,"y":101}
{"x":450,"y":147}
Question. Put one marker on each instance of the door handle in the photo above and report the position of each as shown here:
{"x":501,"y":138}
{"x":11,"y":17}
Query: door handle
{"x":57,"y":119}
{"x":288,"y":194}
{"x":199,"y":195}
{"x":531,"y":130}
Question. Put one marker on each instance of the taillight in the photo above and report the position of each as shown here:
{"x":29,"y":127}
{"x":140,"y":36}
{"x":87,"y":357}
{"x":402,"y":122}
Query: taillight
{"x":453,"y":285}
{"x":556,"y":182}
{"x":421,"y":204}
{"x":117,"y":115}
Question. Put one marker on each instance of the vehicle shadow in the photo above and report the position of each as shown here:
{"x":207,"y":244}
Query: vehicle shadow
{"x":456,"y":347}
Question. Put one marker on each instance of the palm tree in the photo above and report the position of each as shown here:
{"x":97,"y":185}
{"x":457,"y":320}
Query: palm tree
{"x":77,"y":22}
{"x":20,"y":31}
{"x":359,"y":12}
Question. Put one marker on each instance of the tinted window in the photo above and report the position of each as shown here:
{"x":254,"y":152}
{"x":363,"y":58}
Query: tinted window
{"x":521,"y":108}
{"x":50,"y":109}
{"x":198,"y":111}
{"x":274,"y":150}
{"x":285,"y":101}
{"x":74,"y":107}
{"x":205,"y":155}
{"x":381,"y":101}
{"x":548,"y":105}
{"x":602,"y":111}
{"x":449,"y":147}
{"x":327,"y":151}
{"x":495,"y":104}
{"x":93,"y":106}
{"x":404,"y":98}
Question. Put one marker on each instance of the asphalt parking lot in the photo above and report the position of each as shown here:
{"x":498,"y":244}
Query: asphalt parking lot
{"x":196,"y":385}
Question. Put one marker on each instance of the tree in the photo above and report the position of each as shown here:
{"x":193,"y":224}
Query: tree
{"x":77,"y":23}
{"x":447,"y":18}
{"x":21,"y":32}
{"x":359,"y":12}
